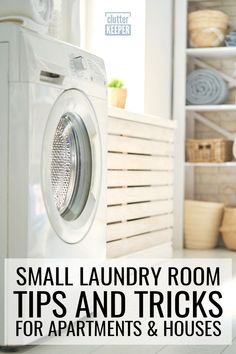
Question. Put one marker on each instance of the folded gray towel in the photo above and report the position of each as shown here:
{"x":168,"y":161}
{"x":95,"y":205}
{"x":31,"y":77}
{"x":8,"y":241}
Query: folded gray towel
{"x":206,"y":86}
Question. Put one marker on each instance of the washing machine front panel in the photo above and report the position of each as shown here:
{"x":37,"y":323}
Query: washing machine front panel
{"x":41,"y":115}
{"x":71,"y":166}
{"x":37,"y":225}
{"x":35,"y":221}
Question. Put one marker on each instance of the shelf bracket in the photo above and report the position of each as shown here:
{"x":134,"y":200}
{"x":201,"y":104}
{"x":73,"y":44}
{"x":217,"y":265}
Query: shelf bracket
{"x":213,"y":126}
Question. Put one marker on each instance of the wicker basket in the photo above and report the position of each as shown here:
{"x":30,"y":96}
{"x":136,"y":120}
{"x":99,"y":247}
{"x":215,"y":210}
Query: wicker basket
{"x":207,"y":28}
{"x":228,"y":228}
{"x":209,"y":150}
{"x":205,"y":38}
{"x":201,"y":224}
{"x":208,"y":18}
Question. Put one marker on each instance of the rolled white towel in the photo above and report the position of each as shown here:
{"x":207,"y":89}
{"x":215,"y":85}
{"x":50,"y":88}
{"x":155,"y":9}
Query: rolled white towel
{"x":206,"y":86}
{"x":39,"y":11}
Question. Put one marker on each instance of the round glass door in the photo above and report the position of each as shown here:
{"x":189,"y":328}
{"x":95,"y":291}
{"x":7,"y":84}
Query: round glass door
{"x":71,"y":166}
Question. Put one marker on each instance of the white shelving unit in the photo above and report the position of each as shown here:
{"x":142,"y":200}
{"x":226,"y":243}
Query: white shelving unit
{"x":211,"y":52}
{"x":211,"y":108}
{"x":185,"y":171}
{"x":211,"y":164}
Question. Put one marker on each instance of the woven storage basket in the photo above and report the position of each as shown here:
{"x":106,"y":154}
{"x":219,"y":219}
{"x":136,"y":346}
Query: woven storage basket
{"x":201,"y":224}
{"x":209,"y":150}
{"x":205,"y":38}
{"x":228,"y":227}
{"x":207,"y":18}
{"x":207,"y":25}
{"x":207,"y":28}
{"x":198,"y":14}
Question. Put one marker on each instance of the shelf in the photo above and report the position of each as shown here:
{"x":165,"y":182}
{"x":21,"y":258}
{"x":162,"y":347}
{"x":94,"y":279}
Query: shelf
{"x":211,"y":108}
{"x":211,"y":52}
{"x":211,"y":164}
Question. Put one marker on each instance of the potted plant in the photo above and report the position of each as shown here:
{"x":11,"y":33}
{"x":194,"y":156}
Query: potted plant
{"x":117,"y":93}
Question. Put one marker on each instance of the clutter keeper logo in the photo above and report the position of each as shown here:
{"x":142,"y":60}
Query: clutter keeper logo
{"x":117,"y":24}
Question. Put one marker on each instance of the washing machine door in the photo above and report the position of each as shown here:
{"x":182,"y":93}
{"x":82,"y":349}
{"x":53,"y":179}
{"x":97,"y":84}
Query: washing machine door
{"x":72,"y":166}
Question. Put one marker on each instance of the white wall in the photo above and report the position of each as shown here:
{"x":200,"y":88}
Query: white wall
{"x":124,"y":55}
{"x":158,"y":57}
{"x":144,"y":59}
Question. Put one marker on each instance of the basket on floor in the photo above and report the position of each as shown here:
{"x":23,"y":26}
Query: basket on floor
{"x":202,"y":224}
{"x":228,"y":227}
{"x":209,"y":150}
{"x":207,"y":28}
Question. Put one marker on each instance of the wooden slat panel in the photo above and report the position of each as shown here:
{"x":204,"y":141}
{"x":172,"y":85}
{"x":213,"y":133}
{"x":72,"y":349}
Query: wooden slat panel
{"x":140,"y":210}
{"x":131,"y":137}
{"x":139,"y":146}
{"x":138,"y":194}
{"x":139,"y":130}
{"x":141,"y":118}
{"x":139,"y":162}
{"x":140,"y":226}
{"x":138,"y":243}
{"x":138,"y":178}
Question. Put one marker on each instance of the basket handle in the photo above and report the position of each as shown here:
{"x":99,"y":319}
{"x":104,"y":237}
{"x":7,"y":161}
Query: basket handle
{"x":204,"y":146}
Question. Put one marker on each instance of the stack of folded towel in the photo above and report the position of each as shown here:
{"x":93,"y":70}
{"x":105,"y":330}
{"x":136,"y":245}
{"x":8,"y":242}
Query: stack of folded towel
{"x":230,"y":39}
{"x":206,"y":86}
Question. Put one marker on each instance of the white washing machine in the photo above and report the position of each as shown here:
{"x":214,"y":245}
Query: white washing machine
{"x":52,"y":149}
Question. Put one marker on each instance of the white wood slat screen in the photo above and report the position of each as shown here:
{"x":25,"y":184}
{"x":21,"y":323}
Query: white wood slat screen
{"x":140,"y":182}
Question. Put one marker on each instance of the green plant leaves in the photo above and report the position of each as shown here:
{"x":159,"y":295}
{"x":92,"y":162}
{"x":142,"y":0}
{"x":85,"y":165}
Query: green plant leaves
{"x":116,"y":83}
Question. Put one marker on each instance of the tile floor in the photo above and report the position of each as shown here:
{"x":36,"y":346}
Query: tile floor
{"x":218,"y":253}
